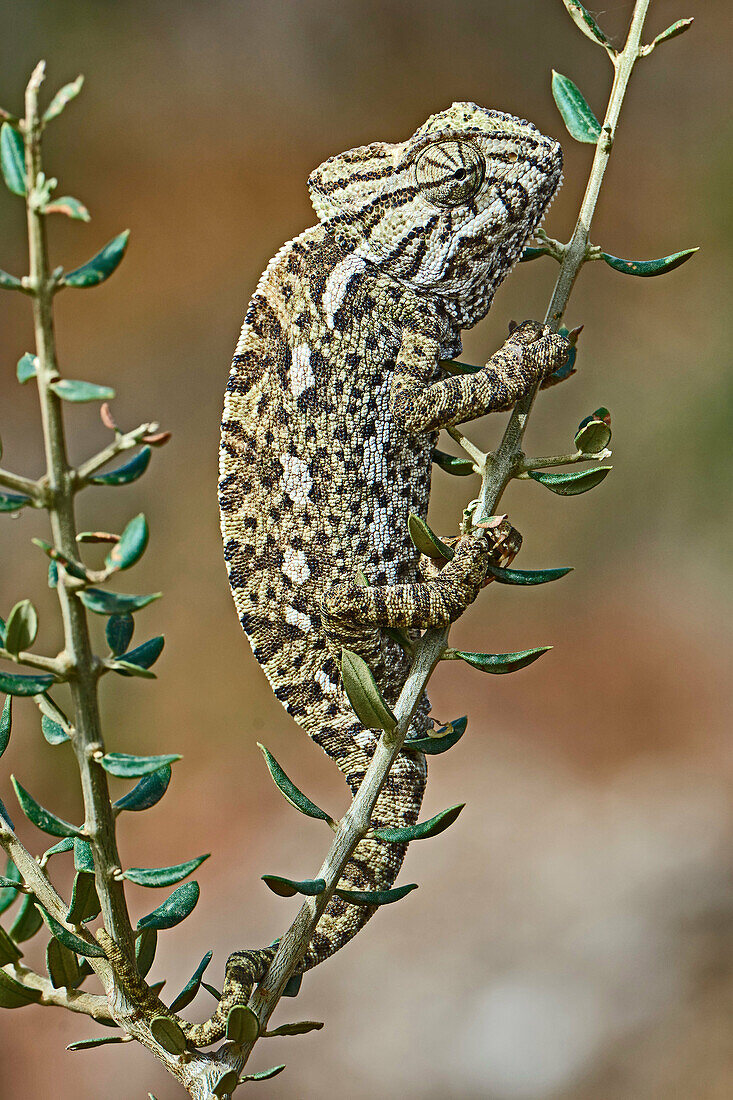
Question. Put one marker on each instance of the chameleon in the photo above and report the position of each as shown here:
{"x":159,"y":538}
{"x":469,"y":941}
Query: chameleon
{"x":331,"y":414}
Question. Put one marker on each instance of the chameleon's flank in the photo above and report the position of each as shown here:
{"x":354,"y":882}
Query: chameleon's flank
{"x":331,"y":415}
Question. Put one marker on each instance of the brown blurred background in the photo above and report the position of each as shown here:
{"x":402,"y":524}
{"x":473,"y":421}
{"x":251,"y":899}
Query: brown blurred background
{"x":573,"y":935}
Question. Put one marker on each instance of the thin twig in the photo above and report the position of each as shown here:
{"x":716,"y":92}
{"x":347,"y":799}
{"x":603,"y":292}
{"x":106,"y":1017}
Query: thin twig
{"x":123,"y":442}
{"x":24,"y":485}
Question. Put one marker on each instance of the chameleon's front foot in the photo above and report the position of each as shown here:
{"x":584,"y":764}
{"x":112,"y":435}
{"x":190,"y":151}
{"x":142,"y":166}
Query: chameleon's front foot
{"x":532,"y":351}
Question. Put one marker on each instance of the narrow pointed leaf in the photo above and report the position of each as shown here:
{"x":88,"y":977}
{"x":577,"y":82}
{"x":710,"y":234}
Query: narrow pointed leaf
{"x":119,"y":631}
{"x":68,"y":205}
{"x":460,"y":467}
{"x":292,"y":989}
{"x":114,"y":603}
{"x":41,"y":818}
{"x":142,"y":657}
{"x":124,"y":668}
{"x":364,"y":695}
{"x":573,"y":483}
{"x":148,"y":791}
{"x":53,"y":574}
{"x":454,"y":366}
{"x":70,"y":389}
{"x":68,"y":939}
{"x":145,"y":947}
{"x":168,"y":1034}
{"x":9,"y":282}
{"x":647,"y":268}
{"x":65,"y":845}
{"x":12,"y":159}
{"x":8,"y":893}
{"x":130,"y":767}
{"x":5,"y":815}
{"x":83,"y":858}
{"x":439,"y":740}
{"x":13,"y":502}
{"x":9,"y":951}
{"x":62,"y":965}
{"x":426,"y":541}
{"x":579,"y":119}
{"x":288,"y":887}
{"x":15,"y":995}
{"x":263,"y":1075}
{"x":286,"y":786}
{"x":54,"y":732}
{"x":124,"y":475}
{"x":174,"y":909}
{"x":242,"y":1025}
{"x":6,"y":723}
{"x":192,"y":986}
{"x":376,"y":897}
{"x":84,"y":899}
{"x":528,"y":576}
{"x":101,"y":266}
{"x":500,"y":663}
{"x":27,"y":367}
{"x":585,"y":22}
{"x":103,"y":1041}
{"x":63,"y":96}
{"x":300,"y":1028}
{"x":131,"y":545}
{"x":21,"y":628}
{"x":423,"y":831}
{"x":679,"y":27}
{"x":11,"y":884}
{"x":27,"y":921}
{"x":163,"y":876}
{"x":214,"y":992}
{"x":532,"y":252}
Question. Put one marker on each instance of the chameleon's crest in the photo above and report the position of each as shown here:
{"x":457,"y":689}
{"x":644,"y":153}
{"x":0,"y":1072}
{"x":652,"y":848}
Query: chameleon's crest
{"x":449,"y":210}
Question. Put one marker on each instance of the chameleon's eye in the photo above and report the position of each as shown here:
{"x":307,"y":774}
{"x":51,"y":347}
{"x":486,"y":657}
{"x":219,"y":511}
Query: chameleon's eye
{"x":450,"y":172}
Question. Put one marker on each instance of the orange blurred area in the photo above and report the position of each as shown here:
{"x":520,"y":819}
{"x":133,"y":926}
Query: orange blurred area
{"x":573,"y":934}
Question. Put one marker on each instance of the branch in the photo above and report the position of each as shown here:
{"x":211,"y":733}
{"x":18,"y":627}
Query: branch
{"x":90,"y":1004}
{"x":123,"y":442}
{"x":18,"y":484}
{"x":35,"y":660}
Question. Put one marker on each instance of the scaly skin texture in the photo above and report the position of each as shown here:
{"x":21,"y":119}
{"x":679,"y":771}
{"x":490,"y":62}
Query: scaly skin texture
{"x":331,"y":415}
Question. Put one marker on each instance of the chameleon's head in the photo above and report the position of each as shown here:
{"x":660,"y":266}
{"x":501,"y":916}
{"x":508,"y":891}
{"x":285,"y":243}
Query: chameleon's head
{"x":449,"y":210}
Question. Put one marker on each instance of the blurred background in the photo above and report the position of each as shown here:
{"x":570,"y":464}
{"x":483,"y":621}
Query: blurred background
{"x":573,"y":934}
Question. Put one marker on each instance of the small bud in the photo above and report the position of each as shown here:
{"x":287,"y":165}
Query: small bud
{"x":106,"y":417}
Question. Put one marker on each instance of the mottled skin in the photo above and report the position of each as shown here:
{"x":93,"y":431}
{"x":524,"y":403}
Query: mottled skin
{"x":331,"y":415}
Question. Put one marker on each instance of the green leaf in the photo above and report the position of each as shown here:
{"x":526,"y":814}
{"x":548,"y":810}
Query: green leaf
{"x":242,"y":1025}
{"x":12,"y":159}
{"x":460,"y":467}
{"x":53,"y":574}
{"x":130,"y":767}
{"x":174,"y":909}
{"x":499,"y":663}
{"x":9,"y":951}
{"x":287,"y":887}
{"x":11,"y":884}
{"x":104,"y":1041}
{"x":70,"y":390}
{"x":8,"y":893}
{"x":440,"y":740}
{"x":430,"y":828}
{"x":426,"y":541}
{"x":594,"y":433}
{"x":163,"y":876}
{"x":647,"y":268}
{"x":124,"y":668}
{"x":300,"y":1028}
{"x":6,"y":723}
{"x":83,"y":858}
{"x":131,"y":545}
{"x":168,"y":1034}
{"x":364,"y":695}
{"x":65,"y":845}
{"x":585,"y":22}
{"x":263,"y":1075}
{"x":54,"y":732}
{"x":376,"y":897}
{"x":527,"y":576}
{"x":68,"y":939}
{"x":101,"y":266}
{"x":215,"y":992}
{"x":579,"y":119}
{"x":9,"y":282}
{"x":119,"y":631}
{"x":192,"y":986}
{"x":84,"y":899}
{"x":572,"y":483}
{"x":66,"y":204}
{"x":27,"y":921}
{"x":13,"y":502}
{"x":13,"y":684}
{"x":12,"y":993}
{"x":63,"y":96}
{"x":531,"y":253}
{"x":226,"y":1084}
{"x":679,"y":27}
{"x":292,"y":793}
{"x":139,"y":660}
{"x":145,"y":947}
{"x":42,"y":819}
{"x":148,"y":791}
{"x":453,"y":366}
{"x":5,"y":815}
{"x":21,"y":628}
{"x":123,"y":475}
{"x":62,"y":965}
{"x":114,"y":603}
{"x":27,"y":367}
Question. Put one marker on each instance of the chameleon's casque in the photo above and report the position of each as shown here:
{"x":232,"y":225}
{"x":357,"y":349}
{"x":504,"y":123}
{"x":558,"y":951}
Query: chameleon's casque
{"x":330,"y":419}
